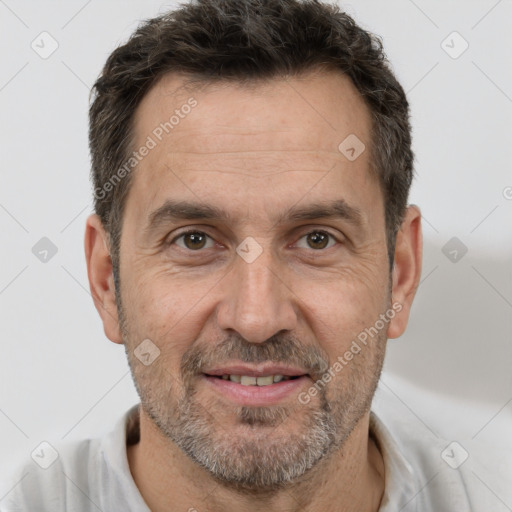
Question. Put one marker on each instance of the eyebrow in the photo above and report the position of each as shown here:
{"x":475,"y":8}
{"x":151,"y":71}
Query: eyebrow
{"x":337,"y":209}
{"x":172,"y":211}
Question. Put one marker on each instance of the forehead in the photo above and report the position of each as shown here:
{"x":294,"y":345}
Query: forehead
{"x":248,"y":146}
{"x":326,"y":103}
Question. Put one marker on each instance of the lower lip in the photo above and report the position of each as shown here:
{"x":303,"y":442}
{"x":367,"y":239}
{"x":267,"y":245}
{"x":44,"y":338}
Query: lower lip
{"x":257,"y":395}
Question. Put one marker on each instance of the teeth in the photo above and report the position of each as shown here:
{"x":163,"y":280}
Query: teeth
{"x":265,"y":381}
{"x":248,"y":380}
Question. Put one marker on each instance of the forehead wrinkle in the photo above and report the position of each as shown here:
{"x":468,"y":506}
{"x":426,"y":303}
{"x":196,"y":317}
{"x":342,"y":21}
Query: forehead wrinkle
{"x":254,"y":163}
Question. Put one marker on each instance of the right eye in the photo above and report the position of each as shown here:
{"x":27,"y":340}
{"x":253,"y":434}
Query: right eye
{"x":193,"y":240}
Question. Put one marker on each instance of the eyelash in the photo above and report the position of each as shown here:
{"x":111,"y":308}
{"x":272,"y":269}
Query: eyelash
{"x":195,"y":231}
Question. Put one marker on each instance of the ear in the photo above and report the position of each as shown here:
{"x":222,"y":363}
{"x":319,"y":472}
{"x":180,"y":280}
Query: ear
{"x":406,"y":270}
{"x":101,"y":277}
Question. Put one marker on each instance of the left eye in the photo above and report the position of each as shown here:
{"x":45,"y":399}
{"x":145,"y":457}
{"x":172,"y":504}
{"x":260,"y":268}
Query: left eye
{"x":194,"y":240}
{"x":317,"y":240}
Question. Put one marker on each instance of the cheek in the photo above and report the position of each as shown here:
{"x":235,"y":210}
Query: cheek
{"x":337,"y":312}
{"x":166,"y":310}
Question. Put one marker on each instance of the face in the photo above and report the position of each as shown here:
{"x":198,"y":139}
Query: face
{"x":253,"y":255}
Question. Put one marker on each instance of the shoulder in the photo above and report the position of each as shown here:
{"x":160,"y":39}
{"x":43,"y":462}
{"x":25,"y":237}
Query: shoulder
{"x":424,"y":472}
{"x":52,"y":473}
{"x":83,"y":476}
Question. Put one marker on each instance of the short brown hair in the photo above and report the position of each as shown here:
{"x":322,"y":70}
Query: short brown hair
{"x":244,"y":41}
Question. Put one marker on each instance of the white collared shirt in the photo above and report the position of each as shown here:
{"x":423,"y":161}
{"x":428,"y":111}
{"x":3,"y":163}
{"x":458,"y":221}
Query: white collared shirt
{"x":94,"y":475}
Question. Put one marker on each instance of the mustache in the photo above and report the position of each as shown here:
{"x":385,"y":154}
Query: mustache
{"x":278,"y":349}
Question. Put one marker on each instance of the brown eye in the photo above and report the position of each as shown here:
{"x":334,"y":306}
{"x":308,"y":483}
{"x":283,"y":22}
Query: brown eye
{"x":317,"y":240}
{"x":194,"y":240}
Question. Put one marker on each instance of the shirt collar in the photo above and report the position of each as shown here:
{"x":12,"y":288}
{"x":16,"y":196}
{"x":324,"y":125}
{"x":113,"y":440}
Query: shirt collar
{"x":399,"y":475}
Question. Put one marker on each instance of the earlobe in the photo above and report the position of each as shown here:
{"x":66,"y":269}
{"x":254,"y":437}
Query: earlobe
{"x":406,"y":270}
{"x":101,"y":279}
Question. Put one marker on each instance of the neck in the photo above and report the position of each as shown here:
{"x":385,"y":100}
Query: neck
{"x":350,"y":480}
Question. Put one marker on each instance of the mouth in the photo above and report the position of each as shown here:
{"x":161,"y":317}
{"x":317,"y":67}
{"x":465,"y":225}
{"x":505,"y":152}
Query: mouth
{"x":250,"y":380}
{"x":256,"y":386}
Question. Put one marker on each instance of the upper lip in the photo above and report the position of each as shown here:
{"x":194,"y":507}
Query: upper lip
{"x":257,"y":370}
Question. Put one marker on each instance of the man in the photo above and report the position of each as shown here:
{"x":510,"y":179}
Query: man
{"x":253,"y":250}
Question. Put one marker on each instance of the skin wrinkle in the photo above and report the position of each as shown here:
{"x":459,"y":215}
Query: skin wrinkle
{"x":211,"y":306}
{"x":247,"y":175}
{"x":184,"y":170}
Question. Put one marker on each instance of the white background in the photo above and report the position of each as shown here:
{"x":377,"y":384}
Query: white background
{"x":60,"y":378}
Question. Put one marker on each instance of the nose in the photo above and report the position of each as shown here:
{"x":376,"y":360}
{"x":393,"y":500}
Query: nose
{"x":256,"y":302}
